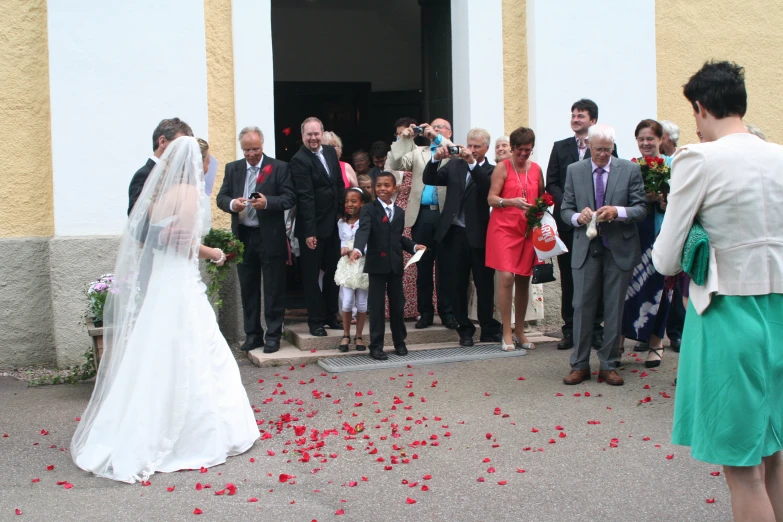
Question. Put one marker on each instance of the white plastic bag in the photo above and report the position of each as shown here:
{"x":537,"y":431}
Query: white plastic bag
{"x":545,"y":239}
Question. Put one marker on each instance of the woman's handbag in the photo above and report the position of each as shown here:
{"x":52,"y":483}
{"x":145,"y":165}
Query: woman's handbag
{"x":543,"y":273}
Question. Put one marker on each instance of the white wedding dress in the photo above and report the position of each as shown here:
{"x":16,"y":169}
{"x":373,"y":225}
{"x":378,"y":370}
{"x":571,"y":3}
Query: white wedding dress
{"x":175,"y":399}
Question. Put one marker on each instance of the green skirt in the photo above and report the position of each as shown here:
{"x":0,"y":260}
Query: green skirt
{"x":729,"y":402}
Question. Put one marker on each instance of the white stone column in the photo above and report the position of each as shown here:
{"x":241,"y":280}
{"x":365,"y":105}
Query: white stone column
{"x":254,"y":79}
{"x":477,"y":67}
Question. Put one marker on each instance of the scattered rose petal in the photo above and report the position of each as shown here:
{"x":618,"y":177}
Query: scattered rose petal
{"x":715,"y":473}
{"x":520,"y":470}
{"x":197,"y":511}
{"x":18,"y":511}
{"x":44,"y":432}
{"x":339,"y":512}
{"x":481,"y":479}
{"x":50,"y":467}
{"x":170,"y":488}
{"x":710,"y":501}
{"x":254,"y":499}
{"x":502,"y":482}
{"x":36,"y":480}
{"x":409,"y":500}
{"x":669,"y":457}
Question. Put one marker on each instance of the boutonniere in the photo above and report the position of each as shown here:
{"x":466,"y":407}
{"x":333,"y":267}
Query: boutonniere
{"x":263,"y":174}
{"x":385,"y":219}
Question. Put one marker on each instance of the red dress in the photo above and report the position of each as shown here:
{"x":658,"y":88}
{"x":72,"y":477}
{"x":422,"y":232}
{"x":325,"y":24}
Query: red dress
{"x":507,"y":247}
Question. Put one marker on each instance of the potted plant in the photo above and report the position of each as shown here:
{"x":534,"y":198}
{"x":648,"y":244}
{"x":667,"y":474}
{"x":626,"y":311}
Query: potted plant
{"x":97,"y":292}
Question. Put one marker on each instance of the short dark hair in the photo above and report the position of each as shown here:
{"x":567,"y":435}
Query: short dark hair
{"x":386,"y":174}
{"x":586,"y":105}
{"x":522,"y":136}
{"x":405,"y":121}
{"x":360,"y":152}
{"x":379,"y":149}
{"x":656,"y":127}
{"x":720,"y":88}
{"x":169,"y":129}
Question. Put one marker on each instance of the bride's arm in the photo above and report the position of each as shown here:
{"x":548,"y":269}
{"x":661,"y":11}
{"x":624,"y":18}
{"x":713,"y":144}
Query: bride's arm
{"x":213,"y":254}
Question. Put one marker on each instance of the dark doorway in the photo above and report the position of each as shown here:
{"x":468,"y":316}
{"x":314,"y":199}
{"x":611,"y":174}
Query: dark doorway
{"x":358,"y":65}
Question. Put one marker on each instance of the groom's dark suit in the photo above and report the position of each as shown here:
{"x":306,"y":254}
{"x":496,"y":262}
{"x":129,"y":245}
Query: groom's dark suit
{"x":266,"y":246}
{"x":137,"y":183}
{"x":564,"y":153}
{"x":320,"y":201}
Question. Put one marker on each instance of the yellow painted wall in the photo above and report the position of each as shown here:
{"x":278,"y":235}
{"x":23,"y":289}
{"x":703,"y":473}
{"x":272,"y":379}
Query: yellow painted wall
{"x":748,"y":33}
{"x":220,"y":94}
{"x":26,"y":189}
{"x":515,"y":87}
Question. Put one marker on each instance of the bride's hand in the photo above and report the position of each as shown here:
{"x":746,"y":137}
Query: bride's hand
{"x":218,"y":257}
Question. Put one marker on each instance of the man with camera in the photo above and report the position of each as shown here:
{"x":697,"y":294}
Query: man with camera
{"x":423,"y":213}
{"x":462,"y":231}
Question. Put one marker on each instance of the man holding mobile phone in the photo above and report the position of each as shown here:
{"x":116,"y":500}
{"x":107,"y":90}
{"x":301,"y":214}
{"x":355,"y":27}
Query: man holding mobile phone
{"x":256,"y":191}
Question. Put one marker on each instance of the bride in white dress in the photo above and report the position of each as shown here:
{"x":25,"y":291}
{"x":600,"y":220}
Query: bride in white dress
{"x":168,"y":395}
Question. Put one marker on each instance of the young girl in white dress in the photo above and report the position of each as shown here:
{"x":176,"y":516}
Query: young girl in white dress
{"x":354,"y":283}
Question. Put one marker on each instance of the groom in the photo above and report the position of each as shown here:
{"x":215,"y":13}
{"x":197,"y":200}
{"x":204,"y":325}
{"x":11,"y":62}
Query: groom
{"x":256,"y":192}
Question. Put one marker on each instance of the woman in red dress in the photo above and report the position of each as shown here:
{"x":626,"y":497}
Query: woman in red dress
{"x":515,"y":182}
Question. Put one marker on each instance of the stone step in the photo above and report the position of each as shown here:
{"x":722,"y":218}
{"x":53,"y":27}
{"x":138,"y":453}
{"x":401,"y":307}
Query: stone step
{"x":298,"y":334}
{"x":288,"y":354}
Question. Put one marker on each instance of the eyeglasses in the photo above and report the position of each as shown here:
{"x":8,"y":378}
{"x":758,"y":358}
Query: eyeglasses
{"x":602,"y":150}
{"x":251,"y":151}
{"x":441,"y":127}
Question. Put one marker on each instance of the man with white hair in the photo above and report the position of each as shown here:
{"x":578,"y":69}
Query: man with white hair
{"x":671,"y":136}
{"x":610,"y":192}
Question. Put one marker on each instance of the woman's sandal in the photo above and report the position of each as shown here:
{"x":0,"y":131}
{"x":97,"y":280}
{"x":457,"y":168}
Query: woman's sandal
{"x":654,"y":363}
{"x":359,"y":347}
{"x":522,"y":346}
{"x":344,"y":346}
{"x":508,"y":347}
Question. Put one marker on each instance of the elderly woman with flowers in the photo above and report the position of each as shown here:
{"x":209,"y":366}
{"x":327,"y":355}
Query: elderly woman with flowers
{"x":649,"y":294}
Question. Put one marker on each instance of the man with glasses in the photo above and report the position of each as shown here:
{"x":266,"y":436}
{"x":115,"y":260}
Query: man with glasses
{"x":423,"y":213}
{"x":611,"y":190}
{"x":584,"y":114}
{"x":257,"y":191}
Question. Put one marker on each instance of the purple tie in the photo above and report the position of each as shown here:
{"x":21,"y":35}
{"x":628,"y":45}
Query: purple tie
{"x":600,"y":194}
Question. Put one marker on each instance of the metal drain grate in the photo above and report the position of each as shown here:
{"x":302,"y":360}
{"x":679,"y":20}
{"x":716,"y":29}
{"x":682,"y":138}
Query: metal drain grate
{"x":441,"y":355}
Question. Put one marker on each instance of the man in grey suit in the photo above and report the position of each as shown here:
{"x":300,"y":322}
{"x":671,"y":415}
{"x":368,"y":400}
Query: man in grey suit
{"x":615,"y":189}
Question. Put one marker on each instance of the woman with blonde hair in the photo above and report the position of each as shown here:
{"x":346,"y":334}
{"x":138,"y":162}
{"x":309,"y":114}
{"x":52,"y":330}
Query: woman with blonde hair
{"x":349,"y":176}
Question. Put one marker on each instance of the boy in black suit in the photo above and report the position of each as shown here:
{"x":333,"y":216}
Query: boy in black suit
{"x":380,"y":229}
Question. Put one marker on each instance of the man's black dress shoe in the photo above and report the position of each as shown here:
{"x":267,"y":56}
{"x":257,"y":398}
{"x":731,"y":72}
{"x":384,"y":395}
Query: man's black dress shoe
{"x":318,"y":331}
{"x":334,"y":324}
{"x":251,"y":343}
{"x":450,"y":323}
{"x":271,"y":346}
{"x":423,"y":322}
{"x":566,"y":344}
{"x":675,"y":345}
{"x":378,"y":354}
{"x":401,"y":350}
{"x":466,"y":340}
{"x":491,"y":338}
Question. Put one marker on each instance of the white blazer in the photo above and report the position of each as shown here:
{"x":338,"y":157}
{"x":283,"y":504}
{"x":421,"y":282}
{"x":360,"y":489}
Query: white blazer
{"x":734,"y":186}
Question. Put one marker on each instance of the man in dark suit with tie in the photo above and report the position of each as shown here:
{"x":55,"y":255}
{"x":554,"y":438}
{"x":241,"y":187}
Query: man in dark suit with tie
{"x":461,"y":233}
{"x":256,"y":191}
{"x":584,"y":114}
{"x":380,"y":230}
{"x":613,"y":190}
{"x":166,"y":132}
{"x":320,"y":192}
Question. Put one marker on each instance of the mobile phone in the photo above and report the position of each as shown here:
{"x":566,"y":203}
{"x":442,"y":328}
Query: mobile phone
{"x":254,"y":195}
{"x":418,"y":131}
{"x":454,"y":150}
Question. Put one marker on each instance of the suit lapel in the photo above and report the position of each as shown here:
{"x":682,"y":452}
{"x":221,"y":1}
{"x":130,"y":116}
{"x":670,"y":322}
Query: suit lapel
{"x":573,"y":149}
{"x":240,"y":177}
{"x":611,"y":181}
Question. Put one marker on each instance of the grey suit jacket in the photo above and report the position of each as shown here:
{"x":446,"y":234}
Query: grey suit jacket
{"x":405,"y":155}
{"x":624,"y":188}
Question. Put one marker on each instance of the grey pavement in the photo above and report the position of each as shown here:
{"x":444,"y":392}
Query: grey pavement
{"x":611,"y":463}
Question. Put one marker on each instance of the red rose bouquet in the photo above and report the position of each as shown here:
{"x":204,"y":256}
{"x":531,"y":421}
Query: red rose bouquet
{"x":655,"y":172}
{"x":536,"y":212}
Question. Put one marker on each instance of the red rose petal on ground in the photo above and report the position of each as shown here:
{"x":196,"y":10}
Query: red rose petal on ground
{"x":534,"y":430}
{"x":481,"y":479}
{"x":44,"y":432}
{"x":283,"y":477}
{"x":520,"y":378}
{"x":562,"y":435}
{"x":18,"y":511}
{"x":558,"y":394}
{"x":203,"y":470}
{"x":270,"y":453}
{"x":715,"y":473}
{"x":488,"y":436}
{"x":170,"y":488}
{"x":490,"y":470}
{"x":68,"y":485}
{"x":36,"y":480}
{"x":254,"y":499}
{"x":199,"y":487}
{"x":409,"y":500}
{"x":520,"y":470}
{"x":339,"y":512}
{"x":50,"y":467}
{"x":487,"y":460}
{"x":146,"y":483}
{"x":559,"y":428}
{"x":710,"y":501}
{"x":427,"y":477}
{"x":502,"y":482}
{"x":197,"y":511}
{"x":669,"y":457}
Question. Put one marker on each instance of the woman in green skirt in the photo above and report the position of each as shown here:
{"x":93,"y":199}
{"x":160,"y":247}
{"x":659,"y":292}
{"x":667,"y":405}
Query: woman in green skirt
{"x":729,"y":403}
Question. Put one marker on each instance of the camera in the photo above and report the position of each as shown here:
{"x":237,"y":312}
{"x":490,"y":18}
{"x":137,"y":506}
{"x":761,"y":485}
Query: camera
{"x":418,"y":131}
{"x":454,"y":150}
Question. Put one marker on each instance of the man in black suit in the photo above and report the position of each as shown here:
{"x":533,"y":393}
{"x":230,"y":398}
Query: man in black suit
{"x":584,"y":114}
{"x":320,"y":192}
{"x":381,"y":224}
{"x":166,"y":132}
{"x":256,"y":191}
{"x":461,"y":234}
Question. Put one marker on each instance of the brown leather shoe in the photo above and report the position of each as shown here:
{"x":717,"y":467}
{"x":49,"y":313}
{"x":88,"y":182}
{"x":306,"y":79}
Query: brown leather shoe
{"x":577,"y":376}
{"x":611,"y":377}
